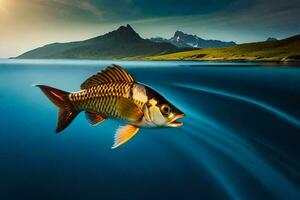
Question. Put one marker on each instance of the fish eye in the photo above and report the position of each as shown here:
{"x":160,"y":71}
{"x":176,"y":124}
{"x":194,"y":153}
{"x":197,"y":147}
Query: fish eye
{"x":165,"y":109}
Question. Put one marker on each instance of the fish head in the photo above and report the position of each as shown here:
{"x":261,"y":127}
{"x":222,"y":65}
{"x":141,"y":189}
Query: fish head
{"x":161,"y":112}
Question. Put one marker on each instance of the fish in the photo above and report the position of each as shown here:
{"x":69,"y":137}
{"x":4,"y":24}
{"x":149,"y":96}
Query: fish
{"x":113,"y":93}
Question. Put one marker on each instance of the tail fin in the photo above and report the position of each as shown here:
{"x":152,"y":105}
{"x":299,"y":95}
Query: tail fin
{"x":66,"y":111}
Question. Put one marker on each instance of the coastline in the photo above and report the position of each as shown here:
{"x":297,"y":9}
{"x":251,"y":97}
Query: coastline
{"x":278,"y":63}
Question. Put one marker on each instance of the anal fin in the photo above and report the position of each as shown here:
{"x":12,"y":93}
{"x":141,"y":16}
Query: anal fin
{"x":123,"y":134}
{"x":94,"y":118}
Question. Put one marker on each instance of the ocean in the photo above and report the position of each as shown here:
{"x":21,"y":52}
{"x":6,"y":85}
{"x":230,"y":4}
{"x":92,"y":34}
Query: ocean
{"x":240,"y":138}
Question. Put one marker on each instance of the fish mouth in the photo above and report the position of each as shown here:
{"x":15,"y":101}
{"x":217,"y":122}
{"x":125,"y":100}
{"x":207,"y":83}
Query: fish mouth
{"x":174,"y":123}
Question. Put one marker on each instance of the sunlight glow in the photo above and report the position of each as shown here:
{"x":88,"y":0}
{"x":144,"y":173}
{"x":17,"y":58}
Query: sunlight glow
{"x":2,"y":8}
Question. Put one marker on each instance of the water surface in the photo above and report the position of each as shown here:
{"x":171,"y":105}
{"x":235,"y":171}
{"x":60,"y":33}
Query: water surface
{"x":240,"y":138}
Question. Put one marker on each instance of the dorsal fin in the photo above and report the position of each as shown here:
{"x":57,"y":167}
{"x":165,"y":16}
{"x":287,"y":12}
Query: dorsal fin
{"x":110,"y":74}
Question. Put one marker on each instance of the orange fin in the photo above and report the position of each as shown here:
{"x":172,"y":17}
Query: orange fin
{"x":123,"y":134}
{"x":94,"y":118}
{"x":66,"y":111}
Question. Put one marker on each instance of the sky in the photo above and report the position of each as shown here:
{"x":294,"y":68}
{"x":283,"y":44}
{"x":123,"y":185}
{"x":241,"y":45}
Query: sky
{"x":28,"y":24}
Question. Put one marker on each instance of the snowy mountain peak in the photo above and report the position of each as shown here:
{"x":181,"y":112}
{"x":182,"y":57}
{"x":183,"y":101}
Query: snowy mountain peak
{"x":183,"y":40}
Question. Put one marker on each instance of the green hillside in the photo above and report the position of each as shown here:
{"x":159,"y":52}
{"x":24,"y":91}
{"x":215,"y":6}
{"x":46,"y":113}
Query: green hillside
{"x":281,"y":50}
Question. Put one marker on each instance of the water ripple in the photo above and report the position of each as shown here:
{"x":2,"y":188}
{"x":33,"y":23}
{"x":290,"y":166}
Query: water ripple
{"x":276,"y":111}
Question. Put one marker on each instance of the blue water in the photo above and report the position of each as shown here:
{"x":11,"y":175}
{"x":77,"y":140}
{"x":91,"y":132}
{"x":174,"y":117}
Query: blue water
{"x":240,"y":139}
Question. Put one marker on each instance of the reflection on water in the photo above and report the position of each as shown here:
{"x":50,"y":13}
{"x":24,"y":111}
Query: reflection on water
{"x":240,"y":138}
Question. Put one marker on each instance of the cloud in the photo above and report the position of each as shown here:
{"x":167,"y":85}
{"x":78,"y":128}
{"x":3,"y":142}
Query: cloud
{"x":90,"y":7}
{"x":255,"y":22}
{"x":82,"y":5}
{"x":32,"y":23}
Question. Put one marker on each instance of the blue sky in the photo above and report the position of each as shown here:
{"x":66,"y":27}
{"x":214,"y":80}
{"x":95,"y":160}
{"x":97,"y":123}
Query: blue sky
{"x":29,"y":24}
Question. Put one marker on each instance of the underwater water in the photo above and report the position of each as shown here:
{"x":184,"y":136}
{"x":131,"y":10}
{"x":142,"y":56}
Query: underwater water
{"x":240,"y":138}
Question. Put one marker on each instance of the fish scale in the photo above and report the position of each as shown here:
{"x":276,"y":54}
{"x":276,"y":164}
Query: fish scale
{"x":103,"y":98}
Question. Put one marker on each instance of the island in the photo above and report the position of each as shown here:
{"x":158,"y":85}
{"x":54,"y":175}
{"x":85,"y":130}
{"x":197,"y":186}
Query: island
{"x":126,"y":44}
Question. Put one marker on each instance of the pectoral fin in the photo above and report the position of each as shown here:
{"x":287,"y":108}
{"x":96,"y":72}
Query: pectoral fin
{"x":129,"y":110}
{"x":123,"y":134}
{"x":94,"y":118}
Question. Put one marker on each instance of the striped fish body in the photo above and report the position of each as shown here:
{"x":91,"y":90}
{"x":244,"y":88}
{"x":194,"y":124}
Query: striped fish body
{"x":113,"y":93}
{"x":108,"y":99}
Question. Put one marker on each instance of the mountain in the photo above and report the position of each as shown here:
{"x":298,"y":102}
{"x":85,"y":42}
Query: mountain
{"x":121,"y":43}
{"x":159,"y":40}
{"x":270,"y":39}
{"x":279,"y":50}
{"x":183,"y":40}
